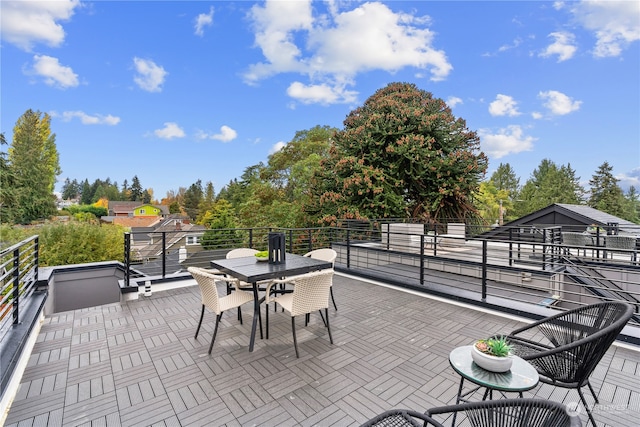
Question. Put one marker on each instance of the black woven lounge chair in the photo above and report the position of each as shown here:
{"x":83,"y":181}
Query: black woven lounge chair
{"x":510,"y":412}
{"x":401,"y":418}
{"x":576,"y":341}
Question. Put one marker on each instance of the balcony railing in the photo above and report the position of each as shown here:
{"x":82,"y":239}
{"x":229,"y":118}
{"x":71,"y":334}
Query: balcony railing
{"x":519,"y":269}
{"x":18,"y":277}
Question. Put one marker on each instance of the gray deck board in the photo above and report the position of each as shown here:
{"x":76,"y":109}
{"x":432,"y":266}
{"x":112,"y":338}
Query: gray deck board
{"x":138,"y":364}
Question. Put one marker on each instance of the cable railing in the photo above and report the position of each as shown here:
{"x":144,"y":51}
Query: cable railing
{"x":18,"y":278}
{"x":522,"y":266}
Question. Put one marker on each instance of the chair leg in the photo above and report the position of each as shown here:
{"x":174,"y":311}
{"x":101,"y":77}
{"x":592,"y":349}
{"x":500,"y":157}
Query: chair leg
{"x":326,"y":312}
{"x":586,"y":406}
{"x":593,"y":393}
{"x":322,"y":317}
{"x":200,"y":323}
{"x":332,"y":299}
{"x":215,"y":332}
{"x":267,"y":320}
{"x":295,"y":341}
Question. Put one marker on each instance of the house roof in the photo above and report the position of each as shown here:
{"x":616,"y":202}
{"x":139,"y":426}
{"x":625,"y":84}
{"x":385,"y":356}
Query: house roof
{"x":128,"y":206}
{"x":133,"y":221}
{"x":568,"y":215}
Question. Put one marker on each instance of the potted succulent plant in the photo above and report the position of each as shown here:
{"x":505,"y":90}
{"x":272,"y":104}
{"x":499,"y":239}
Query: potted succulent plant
{"x":492,"y":354}
{"x":262,"y":255}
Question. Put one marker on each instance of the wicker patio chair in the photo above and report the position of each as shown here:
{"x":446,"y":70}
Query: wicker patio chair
{"x":401,"y":418}
{"x":576,"y":341}
{"x":310,"y":293}
{"x":510,"y":412}
{"x":325,"y":254}
{"x":621,"y":242}
{"x":211,"y":299}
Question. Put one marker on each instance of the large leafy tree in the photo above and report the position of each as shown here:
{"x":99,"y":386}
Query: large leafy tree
{"x":606,"y":194}
{"x":401,"y":154}
{"x":549,"y":184}
{"x":33,"y":158}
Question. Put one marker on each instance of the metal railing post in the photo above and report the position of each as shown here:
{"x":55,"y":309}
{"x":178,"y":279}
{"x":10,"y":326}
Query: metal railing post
{"x":251,"y":237}
{"x":484,"y":270}
{"x":16,"y":285}
{"x":422,"y":259}
{"x":127,"y":258}
{"x":510,"y":246}
{"x":36,"y":247}
{"x":164,"y":254}
{"x":348,"y":249}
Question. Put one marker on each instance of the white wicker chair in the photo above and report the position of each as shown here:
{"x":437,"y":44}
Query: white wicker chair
{"x":241,"y":253}
{"x":310,"y":293}
{"x":210,"y":298}
{"x":325,"y":254}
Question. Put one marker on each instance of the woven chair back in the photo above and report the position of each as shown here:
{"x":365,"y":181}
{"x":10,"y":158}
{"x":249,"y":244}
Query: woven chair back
{"x":241,"y":252}
{"x":581,"y":337}
{"x":324,"y":254}
{"x":208,"y":290}
{"x":311,"y":292}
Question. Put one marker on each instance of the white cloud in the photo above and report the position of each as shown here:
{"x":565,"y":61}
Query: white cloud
{"x":537,"y":115}
{"x":452,"y":101}
{"x":226,"y":134}
{"x":332,"y":49}
{"x":25,"y":23}
{"x":86,"y":119}
{"x":277,"y":147}
{"x":203,"y":20}
{"x":563,"y":46}
{"x":321,"y":94}
{"x":510,"y":140}
{"x":615,"y":24}
{"x":54,"y":74}
{"x":150,"y":76}
{"x":558,"y":103}
{"x":169,"y":131}
{"x":504,"y":105}
{"x":631,"y":179}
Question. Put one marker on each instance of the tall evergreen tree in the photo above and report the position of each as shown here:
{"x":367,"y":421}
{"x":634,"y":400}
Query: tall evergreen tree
{"x":606,"y":194}
{"x":192,"y":199}
{"x":7,"y":187}
{"x":632,"y":209}
{"x":135,"y":190}
{"x":34,"y":159}
{"x":549,"y":184}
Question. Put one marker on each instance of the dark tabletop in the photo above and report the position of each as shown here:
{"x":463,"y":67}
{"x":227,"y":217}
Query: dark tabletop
{"x":249,"y":269}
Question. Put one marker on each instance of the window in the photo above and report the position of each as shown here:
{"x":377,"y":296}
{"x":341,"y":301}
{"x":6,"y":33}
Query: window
{"x":141,"y":211}
{"x":193,"y":240}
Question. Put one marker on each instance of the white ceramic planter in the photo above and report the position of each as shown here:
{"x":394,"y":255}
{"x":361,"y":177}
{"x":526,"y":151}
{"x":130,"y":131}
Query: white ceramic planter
{"x":489,"y":362}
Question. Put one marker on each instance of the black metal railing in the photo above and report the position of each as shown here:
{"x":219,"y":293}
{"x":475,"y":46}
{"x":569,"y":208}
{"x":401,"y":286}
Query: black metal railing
{"x":18,"y":278}
{"x":522,"y":264}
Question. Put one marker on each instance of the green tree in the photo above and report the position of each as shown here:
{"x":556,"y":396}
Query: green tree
{"x":207,"y":202}
{"x":505,"y":178}
{"x":401,"y":154}
{"x":33,"y":158}
{"x":7,"y":188}
{"x":86,"y":193}
{"x":606,"y":194}
{"x":135,"y":192}
{"x":632,"y":206}
{"x":192,"y":198}
{"x":489,"y":200}
{"x":222,"y":226}
{"x":549,"y":184}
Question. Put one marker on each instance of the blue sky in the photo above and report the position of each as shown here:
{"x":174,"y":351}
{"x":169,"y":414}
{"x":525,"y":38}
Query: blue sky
{"x":176,"y":91}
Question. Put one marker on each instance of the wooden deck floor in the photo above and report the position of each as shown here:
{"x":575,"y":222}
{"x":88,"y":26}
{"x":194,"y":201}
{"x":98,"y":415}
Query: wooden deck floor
{"x":137,"y":364}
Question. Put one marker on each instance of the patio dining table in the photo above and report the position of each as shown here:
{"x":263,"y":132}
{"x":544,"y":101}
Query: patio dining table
{"x":250,"y":270}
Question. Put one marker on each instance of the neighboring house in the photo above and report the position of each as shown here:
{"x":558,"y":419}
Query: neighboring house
{"x":570,"y":218}
{"x":178,"y":233}
{"x":135,"y":209}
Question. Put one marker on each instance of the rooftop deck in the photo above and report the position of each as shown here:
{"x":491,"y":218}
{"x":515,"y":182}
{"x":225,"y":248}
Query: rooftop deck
{"x":137,"y":363}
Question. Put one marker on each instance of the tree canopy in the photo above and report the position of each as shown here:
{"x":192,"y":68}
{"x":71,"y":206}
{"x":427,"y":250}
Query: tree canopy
{"x":401,"y":154}
{"x":33,"y":160}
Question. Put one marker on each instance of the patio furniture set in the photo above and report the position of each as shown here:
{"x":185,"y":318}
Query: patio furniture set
{"x":574,"y":341}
